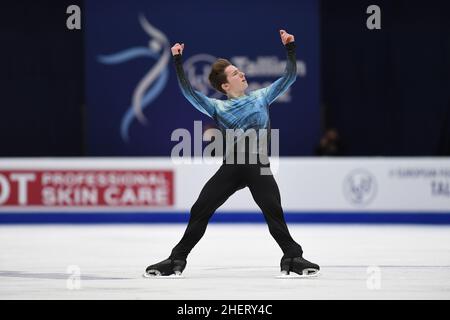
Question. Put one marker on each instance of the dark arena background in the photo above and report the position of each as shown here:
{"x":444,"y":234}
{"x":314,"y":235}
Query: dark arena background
{"x":94,"y":187}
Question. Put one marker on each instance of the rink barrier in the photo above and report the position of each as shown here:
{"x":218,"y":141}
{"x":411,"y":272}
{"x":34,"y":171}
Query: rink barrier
{"x":373,"y":190}
{"x":225,"y":217}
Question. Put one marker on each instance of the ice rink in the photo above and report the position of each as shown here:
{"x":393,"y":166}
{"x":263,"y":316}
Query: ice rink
{"x":230,"y":262}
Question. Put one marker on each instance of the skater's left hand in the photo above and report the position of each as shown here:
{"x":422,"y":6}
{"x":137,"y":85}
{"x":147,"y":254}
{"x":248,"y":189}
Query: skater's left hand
{"x":286,"y":37}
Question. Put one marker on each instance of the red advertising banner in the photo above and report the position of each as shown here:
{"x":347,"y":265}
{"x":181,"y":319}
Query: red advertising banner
{"x":86,"y":188}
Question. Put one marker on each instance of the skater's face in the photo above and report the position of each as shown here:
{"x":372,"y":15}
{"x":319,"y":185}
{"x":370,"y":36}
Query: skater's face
{"x":236,"y":80}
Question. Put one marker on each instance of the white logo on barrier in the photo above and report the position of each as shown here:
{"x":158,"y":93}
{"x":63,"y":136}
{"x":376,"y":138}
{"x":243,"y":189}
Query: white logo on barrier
{"x":22,"y":179}
{"x":360,"y":187}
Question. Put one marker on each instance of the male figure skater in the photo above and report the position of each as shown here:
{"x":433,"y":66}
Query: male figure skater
{"x":239,"y":111}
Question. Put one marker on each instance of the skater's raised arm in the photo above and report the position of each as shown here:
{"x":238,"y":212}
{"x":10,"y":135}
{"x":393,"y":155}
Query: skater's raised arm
{"x":196,"y":98}
{"x":280,"y":86}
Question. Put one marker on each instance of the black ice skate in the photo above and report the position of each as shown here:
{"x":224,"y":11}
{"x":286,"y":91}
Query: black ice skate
{"x":168,"y":268}
{"x":298,"y":268}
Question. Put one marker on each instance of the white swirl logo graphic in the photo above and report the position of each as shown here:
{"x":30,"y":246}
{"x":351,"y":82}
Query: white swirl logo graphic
{"x":153,"y":82}
{"x":360,"y":187}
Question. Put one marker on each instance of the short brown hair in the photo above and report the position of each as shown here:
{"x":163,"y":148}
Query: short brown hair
{"x":217,"y":76}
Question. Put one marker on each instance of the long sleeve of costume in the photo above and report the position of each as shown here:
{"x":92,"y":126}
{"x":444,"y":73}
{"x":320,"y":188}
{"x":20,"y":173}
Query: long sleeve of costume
{"x":197,"y":99}
{"x":281,"y":85}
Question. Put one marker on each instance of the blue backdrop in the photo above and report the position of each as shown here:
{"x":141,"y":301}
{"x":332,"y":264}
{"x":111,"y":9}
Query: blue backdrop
{"x":126,"y":41}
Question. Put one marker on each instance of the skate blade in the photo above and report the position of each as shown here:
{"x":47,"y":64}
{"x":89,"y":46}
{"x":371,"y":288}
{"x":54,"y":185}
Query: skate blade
{"x":157,"y":275}
{"x":307,"y":273}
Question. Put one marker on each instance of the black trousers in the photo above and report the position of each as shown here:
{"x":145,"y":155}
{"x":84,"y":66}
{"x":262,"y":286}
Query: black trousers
{"x":226,"y":181}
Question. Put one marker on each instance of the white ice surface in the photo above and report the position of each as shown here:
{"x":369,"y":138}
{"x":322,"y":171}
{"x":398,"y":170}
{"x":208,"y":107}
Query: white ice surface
{"x":230,"y":262}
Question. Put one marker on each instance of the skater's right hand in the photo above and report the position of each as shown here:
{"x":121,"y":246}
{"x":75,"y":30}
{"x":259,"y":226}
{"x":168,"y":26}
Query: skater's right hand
{"x":177,"y":49}
{"x":286,"y":37}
